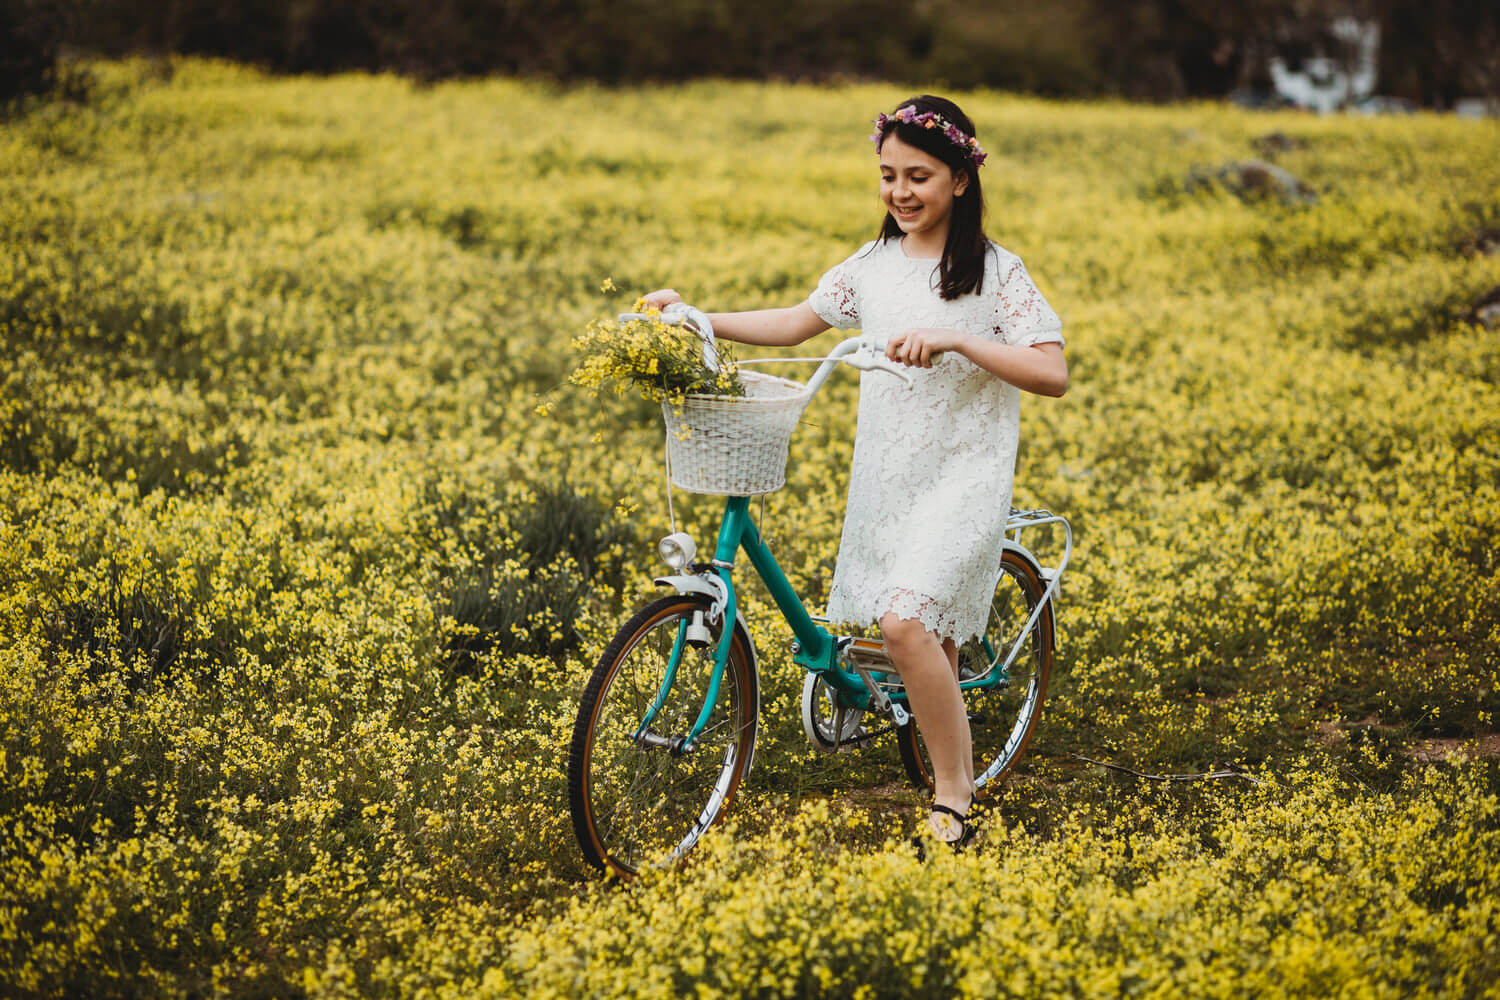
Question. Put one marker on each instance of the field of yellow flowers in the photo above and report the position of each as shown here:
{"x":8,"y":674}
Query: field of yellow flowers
{"x":307,"y":545}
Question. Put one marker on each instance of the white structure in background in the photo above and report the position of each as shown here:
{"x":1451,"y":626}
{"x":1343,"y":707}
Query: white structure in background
{"x":1477,"y":107}
{"x":1326,"y":82}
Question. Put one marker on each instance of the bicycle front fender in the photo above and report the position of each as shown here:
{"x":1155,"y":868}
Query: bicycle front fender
{"x":688,"y":583}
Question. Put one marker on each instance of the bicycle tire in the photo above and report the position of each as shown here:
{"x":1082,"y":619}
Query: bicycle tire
{"x":635,"y":805}
{"x":1002,"y":719}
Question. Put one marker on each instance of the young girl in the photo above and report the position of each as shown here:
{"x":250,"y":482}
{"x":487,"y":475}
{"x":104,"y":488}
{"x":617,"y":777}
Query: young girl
{"x":930,"y":488}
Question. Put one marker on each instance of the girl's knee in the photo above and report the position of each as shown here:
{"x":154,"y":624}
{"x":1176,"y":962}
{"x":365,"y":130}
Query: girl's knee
{"x":904,"y":633}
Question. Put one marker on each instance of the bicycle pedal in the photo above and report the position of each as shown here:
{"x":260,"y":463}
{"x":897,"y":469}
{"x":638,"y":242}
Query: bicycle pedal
{"x":869,"y":652}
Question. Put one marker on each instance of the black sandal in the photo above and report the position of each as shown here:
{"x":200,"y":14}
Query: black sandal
{"x":967,"y":828}
{"x":980,"y":809}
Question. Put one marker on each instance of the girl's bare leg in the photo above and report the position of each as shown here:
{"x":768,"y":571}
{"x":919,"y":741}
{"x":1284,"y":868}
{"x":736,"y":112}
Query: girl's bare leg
{"x":929,"y":669}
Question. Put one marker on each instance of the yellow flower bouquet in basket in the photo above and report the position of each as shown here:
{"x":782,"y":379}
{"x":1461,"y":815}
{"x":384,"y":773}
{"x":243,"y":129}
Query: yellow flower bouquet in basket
{"x":727,"y":429}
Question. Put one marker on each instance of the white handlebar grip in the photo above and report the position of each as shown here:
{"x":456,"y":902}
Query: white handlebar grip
{"x":879,"y":344}
{"x":682,"y":314}
{"x":866,"y":359}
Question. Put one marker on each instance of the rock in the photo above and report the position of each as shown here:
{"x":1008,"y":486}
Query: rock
{"x":1258,"y":178}
{"x":1487,"y":310}
{"x":1272,"y":143}
{"x":1485,"y":243}
{"x":1254,"y":179}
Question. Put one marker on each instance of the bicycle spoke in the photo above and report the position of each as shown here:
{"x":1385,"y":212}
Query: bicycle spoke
{"x":641,"y":803}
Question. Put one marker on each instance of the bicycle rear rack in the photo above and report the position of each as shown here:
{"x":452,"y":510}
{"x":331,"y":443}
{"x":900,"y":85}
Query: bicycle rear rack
{"x":1018,"y":521}
{"x":865,"y":654}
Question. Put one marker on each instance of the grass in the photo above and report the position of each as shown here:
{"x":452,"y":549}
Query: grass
{"x":298,"y":590}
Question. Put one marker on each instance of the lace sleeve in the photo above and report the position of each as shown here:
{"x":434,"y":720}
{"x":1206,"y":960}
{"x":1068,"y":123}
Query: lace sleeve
{"x":836,"y":299}
{"x":1022,"y":316}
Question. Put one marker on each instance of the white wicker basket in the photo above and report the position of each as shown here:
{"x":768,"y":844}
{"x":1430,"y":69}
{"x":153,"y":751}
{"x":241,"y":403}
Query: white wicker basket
{"x":734,"y":445}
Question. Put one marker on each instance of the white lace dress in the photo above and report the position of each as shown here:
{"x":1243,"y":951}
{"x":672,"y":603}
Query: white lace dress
{"x":930,"y":487}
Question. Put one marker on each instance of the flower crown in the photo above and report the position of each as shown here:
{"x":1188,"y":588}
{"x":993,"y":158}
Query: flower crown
{"x":929,"y":119}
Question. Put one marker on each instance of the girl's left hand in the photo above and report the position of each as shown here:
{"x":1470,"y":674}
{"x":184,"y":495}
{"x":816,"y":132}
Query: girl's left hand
{"x":922,"y":346}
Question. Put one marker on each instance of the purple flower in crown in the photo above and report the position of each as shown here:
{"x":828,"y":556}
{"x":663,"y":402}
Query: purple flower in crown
{"x":929,"y":119}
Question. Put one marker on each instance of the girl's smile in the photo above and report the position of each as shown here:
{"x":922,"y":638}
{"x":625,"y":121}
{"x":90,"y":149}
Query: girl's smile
{"x":918,"y":190}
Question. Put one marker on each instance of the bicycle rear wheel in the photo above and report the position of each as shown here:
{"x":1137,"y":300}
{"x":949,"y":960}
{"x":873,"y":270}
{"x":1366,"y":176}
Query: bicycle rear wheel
{"x":1003,"y":716}
{"x":636,"y":799}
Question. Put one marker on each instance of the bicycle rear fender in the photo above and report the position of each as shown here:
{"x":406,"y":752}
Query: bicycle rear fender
{"x":688,"y":583}
{"x":1041,"y":574}
{"x":1025,"y":553}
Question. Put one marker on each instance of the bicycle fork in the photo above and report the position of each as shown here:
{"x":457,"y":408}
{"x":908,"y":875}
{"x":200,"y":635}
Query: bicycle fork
{"x":692,"y":633}
{"x":737,"y":531}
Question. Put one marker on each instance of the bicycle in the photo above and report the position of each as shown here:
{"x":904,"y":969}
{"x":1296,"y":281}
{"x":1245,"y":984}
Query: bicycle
{"x":668,"y":721}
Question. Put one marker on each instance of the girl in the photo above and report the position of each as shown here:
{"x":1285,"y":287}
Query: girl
{"x":930,"y":486}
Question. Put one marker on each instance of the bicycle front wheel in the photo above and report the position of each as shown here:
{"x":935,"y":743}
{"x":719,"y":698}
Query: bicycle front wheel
{"x":637,"y":799}
{"x":1005,"y":707}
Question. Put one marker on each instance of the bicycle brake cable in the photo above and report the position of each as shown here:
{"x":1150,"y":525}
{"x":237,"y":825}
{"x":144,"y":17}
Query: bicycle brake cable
{"x":671,"y":514}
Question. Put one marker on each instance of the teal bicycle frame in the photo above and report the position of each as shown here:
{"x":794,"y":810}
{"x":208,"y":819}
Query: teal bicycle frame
{"x":669,"y":720}
{"x":816,"y":649}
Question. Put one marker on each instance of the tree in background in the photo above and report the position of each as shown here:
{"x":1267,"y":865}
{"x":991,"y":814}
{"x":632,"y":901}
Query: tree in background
{"x":32,"y":33}
{"x":1432,"y":51}
{"x":1047,"y":48}
{"x":1438,"y":51}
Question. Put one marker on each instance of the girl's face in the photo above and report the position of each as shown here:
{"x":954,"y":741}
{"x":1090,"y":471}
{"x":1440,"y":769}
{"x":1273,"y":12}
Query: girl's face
{"x":918,"y":189}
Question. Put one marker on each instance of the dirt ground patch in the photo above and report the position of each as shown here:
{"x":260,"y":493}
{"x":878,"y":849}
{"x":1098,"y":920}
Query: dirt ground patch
{"x":1426,"y":751}
{"x":1468,"y":748}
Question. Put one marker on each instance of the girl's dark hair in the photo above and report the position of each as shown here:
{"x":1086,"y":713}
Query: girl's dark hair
{"x":961,"y":270}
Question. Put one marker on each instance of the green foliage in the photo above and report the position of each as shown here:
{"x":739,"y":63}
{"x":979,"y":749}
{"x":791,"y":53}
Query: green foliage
{"x":32,"y":32}
{"x":1294,"y":887}
{"x":664,"y":362}
{"x":1432,"y":52}
{"x":298,"y":590}
{"x":522,"y":567}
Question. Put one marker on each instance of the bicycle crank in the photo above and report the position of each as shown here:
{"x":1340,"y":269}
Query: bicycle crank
{"x":828,"y":724}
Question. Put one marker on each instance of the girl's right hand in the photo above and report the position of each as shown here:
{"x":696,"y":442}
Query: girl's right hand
{"x":661,"y":298}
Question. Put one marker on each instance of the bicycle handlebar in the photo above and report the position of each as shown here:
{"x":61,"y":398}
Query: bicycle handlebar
{"x":863,"y":352}
{"x":682,"y":314}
